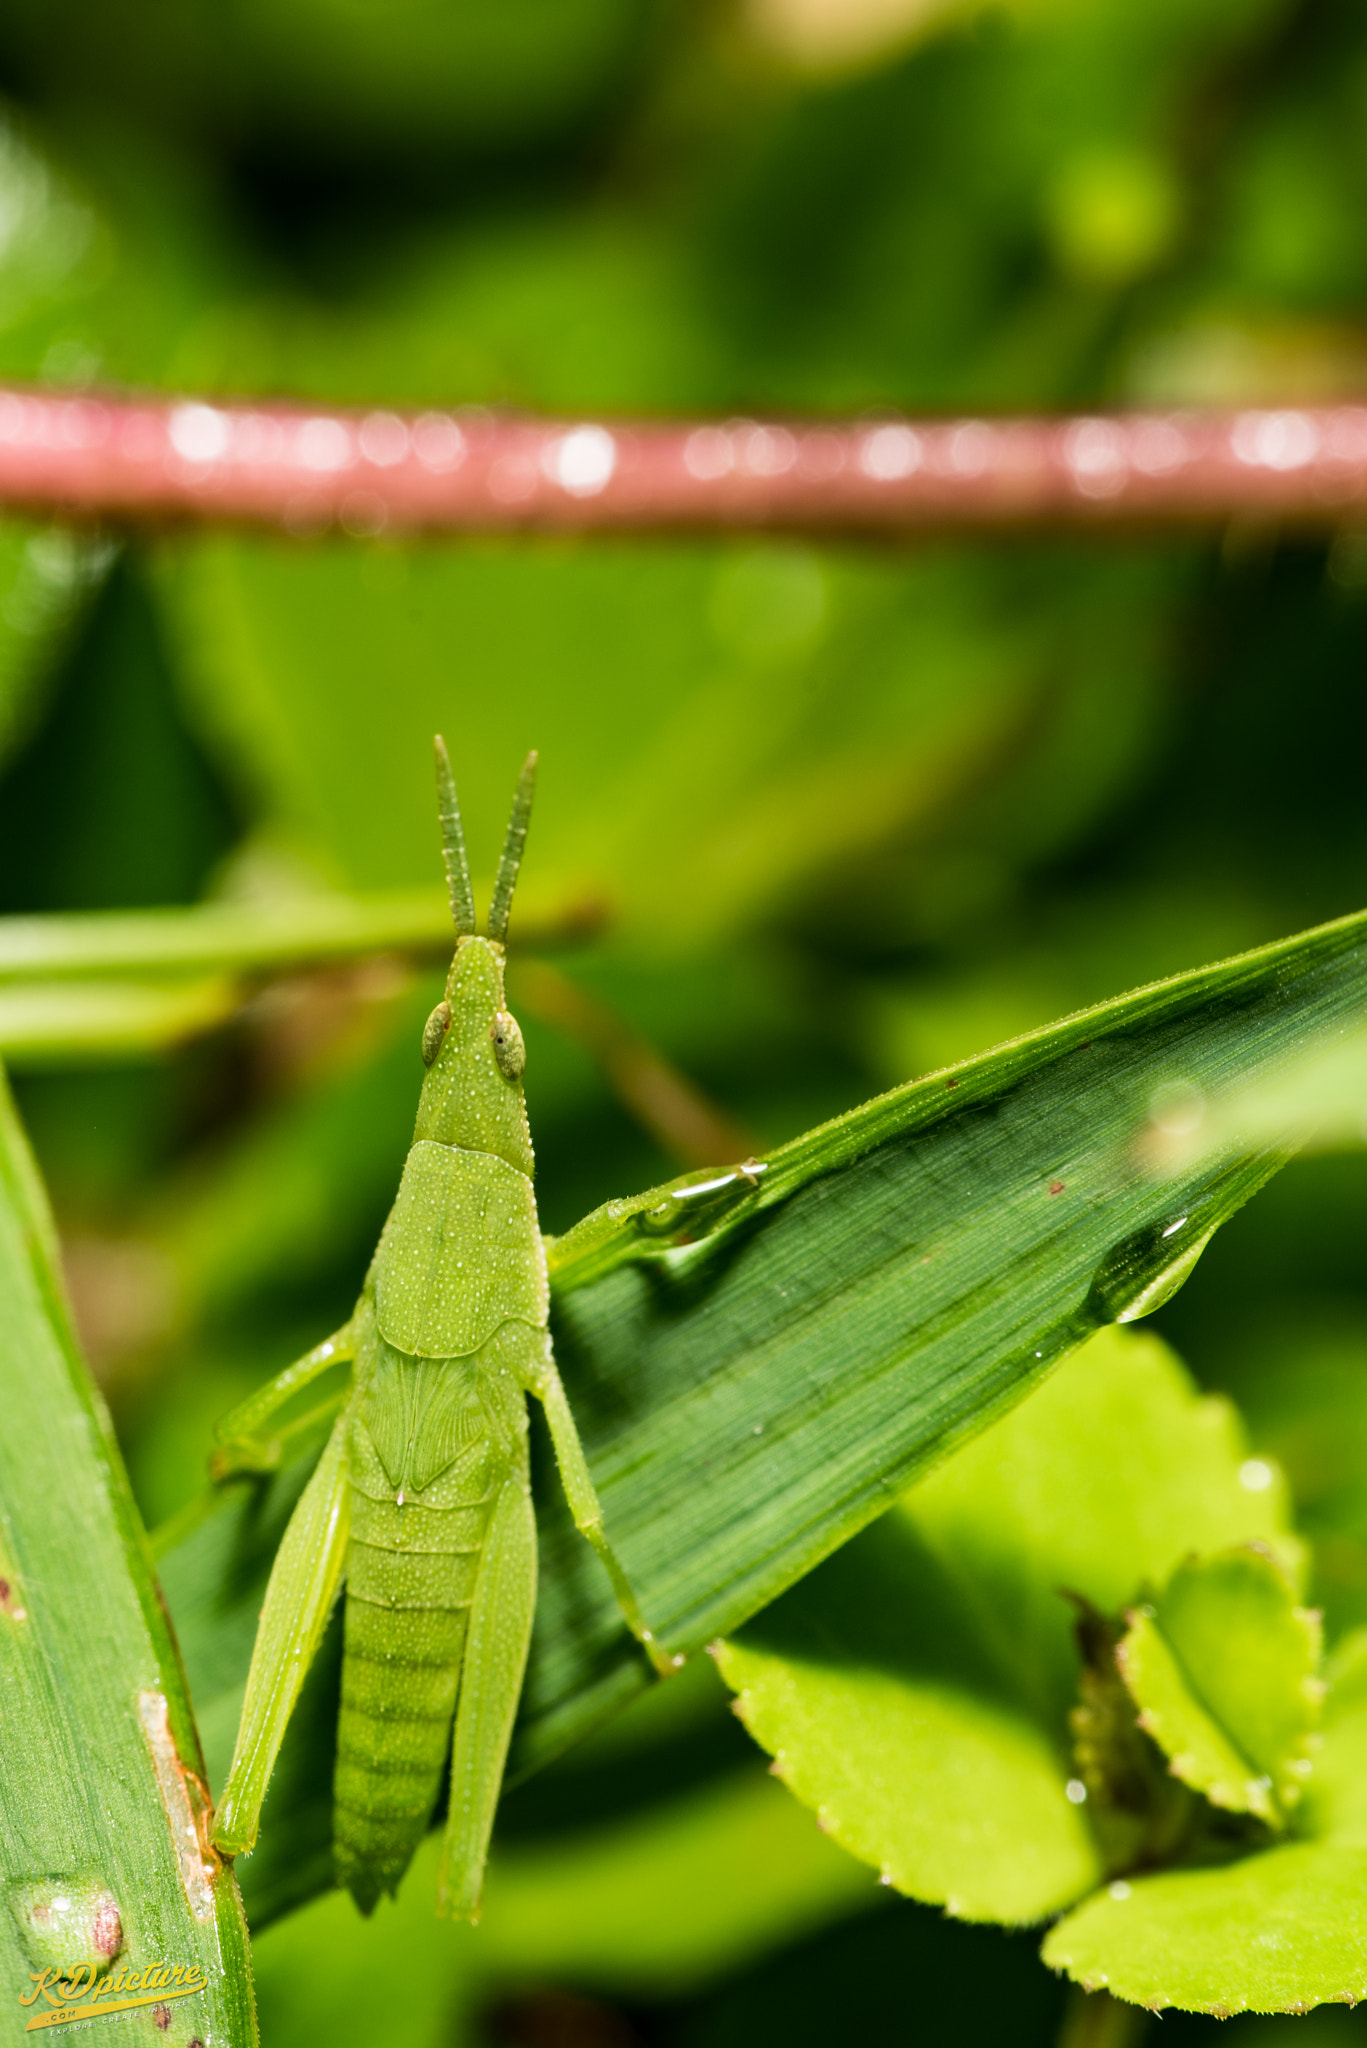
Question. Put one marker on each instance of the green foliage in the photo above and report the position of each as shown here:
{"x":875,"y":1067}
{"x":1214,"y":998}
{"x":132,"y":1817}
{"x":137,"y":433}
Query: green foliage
{"x":741,"y":1867}
{"x":1279,"y":1932}
{"x":1222,"y":1666}
{"x":720,"y":1487}
{"x":44,"y":575}
{"x":98,"y":1873}
{"x":438,"y":74}
{"x":916,"y":1689}
{"x":816,"y":818}
{"x":956,"y":1315}
{"x":749,"y":651}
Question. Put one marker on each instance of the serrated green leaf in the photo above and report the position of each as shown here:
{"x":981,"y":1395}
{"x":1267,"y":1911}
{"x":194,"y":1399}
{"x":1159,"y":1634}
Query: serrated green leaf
{"x":1277,"y":1932}
{"x":915,"y":1689}
{"x":1200,"y":1751}
{"x":952,"y":1792}
{"x":1223,"y":1668}
{"x":1101,"y":1481}
{"x":103,"y":1834}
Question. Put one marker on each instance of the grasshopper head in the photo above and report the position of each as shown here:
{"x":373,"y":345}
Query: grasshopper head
{"x":471,"y":1045}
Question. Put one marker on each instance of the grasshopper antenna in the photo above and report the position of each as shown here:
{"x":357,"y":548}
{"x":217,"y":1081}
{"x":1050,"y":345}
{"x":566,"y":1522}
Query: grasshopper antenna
{"x":453,"y":845}
{"x":502,"y":904}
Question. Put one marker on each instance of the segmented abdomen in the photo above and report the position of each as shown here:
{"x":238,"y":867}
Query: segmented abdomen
{"x":410,"y":1580}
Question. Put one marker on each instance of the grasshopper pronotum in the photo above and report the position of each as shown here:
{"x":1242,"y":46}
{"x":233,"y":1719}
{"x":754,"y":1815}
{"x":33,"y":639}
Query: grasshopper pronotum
{"x":421,"y":1502}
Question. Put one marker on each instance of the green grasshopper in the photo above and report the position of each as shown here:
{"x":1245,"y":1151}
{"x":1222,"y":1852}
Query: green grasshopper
{"x":421,"y":1502}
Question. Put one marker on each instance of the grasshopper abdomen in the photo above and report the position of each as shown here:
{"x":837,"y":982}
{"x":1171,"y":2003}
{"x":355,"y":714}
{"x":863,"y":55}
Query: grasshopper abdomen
{"x":421,"y":1505}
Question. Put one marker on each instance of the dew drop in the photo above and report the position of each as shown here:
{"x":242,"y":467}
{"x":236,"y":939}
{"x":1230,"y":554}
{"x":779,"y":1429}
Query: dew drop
{"x":1143,"y":1272}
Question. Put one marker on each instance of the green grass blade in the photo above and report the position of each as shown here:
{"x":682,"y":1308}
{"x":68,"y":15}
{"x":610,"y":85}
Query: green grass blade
{"x":759,"y":1363}
{"x":751,"y":1399}
{"x":258,"y":937}
{"x":102,"y":1812}
{"x":55,"y":1022}
{"x":77,"y":988}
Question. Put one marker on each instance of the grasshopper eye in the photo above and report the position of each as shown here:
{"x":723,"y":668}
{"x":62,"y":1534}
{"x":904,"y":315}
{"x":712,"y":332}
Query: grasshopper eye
{"x":433,"y":1032}
{"x":506,"y":1039}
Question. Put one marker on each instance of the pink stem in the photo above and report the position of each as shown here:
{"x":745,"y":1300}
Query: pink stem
{"x":305,"y":469}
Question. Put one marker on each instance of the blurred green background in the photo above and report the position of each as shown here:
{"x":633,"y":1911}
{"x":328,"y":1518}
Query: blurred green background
{"x":850,"y":811}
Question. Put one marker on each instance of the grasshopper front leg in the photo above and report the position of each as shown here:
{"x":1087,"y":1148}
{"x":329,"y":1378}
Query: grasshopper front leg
{"x":239,"y":1447}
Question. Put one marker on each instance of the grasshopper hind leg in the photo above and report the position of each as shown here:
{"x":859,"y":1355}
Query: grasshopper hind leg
{"x":491,"y":1684}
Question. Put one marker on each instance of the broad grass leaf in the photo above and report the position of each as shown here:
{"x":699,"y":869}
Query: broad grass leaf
{"x":731,"y":788}
{"x":101,"y":1782}
{"x":758,"y":1370}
